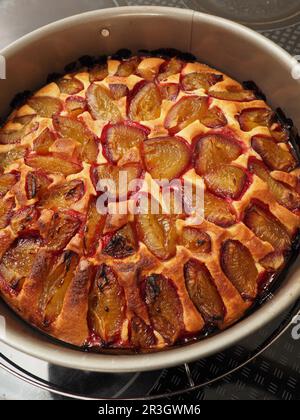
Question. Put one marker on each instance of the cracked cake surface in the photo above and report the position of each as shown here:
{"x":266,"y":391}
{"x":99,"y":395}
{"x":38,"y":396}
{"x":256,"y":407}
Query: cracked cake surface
{"x":132,"y":280}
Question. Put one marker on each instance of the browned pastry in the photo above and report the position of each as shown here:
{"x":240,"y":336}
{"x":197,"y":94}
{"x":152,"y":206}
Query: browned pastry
{"x":142,"y":281}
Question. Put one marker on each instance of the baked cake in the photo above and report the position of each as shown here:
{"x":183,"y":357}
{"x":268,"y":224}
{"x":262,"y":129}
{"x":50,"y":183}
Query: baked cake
{"x":143,"y":281}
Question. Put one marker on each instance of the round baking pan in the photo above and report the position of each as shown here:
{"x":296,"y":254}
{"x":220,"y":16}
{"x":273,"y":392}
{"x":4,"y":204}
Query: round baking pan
{"x":236,"y":50}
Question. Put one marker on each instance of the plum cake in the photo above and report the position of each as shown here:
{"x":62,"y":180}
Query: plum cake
{"x":143,"y":281}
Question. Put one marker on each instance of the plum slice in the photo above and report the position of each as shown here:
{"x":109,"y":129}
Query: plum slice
{"x":213,"y":150}
{"x":239,"y":266}
{"x":101,"y":105}
{"x":36,"y":184}
{"x":164,"y":306}
{"x":98,"y":73}
{"x":75,"y":105}
{"x":118,"y":91}
{"x":122,"y":244}
{"x":64,"y":195}
{"x":191,"y":108}
{"x":145,"y":103}
{"x":227,"y":181}
{"x":70,"y":86}
{"x":107,"y":305}
{"x":45,"y":106}
{"x":282,"y":193}
{"x":218,"y":211}
{"x":93,"y":229}
{"x":6,"y":208}
{"x":72,"y":128}
{"x":233,"y":94}
{"x":24,"y":219}
{"x":169,"y":68}
{"x":203,"y":292}
{"x":169,"y":91}
{"x":267,"y":227}
{"x":273,"y":155}
{"x":56,"y":285}
{"x":61,"y":229}
{"x":142,"y":336}
{"x":45,"y":140}
{"x":18,"y":260}
{"x":127,"y":67}
{"x":15,"y":136}
{"x":158,"y":232}
{"x":117,"y":180}
{"x":166,"y":157}
{"x":251,"y":118}
{"x":196,"y":240}
{"x":52,"y":164}
{"x":200,"y":80}
{"x":120,"y":138}
{"x":7,"y":181}
{"x":11,"y":156}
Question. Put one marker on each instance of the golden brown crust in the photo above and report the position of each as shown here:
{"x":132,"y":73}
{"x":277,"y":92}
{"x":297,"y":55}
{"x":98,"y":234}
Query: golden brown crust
{"x":82,"y":232}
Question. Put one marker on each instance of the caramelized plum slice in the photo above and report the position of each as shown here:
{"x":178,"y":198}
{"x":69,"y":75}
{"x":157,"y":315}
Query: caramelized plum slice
{"x":118,"y":90}
{"x":15,"y":136}
{"x":6,"y":207}
{"x":36,"y":185}
{"x":7,"y":181}
{"x":11,"y":156}
{"x":267,"y":227}
{"x":218,"y":211}
{"x":192,"y":108}
{"x":282,"y":193}
{"x":75,"y":105}
{"x":164,"y":306}
{"x":158,"y":232}
{"x":142,"y":336}
{"x":61,"y":229}
{"x":193,"y":81}
{"x":98,"y":73}
{"x":226,"y":181}
{"x":119,"y":139}
{"x":107,"y":305}
{"x":93,"y":229}
{"x":127,"y":67}
{"x":42,"y":143}
{"x":52,"y":164}
{"x":72,"y":128}
{"x":24,"y":219}
{"x":213,"y":150}
{"x":166,"y":157}
{"x":203,"y":292}
{"x":101,"y":105}
{"x":119,"y":179}
{"x":70,"y":86}
{"x":145,"y":104}
{"x":255,"y":117}
{"x":239,"y":266}
{"x":169,"y":91}
{"x":18,"y":260}
{"x":57,"y":284}
{"x":122,"y":244}
{"x":64,"y":195}
{"x":273,"y":261}
{"x":171,"y":67}
{"x":274,"y":156}
{"x":233,"y":94}
{"x":45,"y":106}
{"x":196,"y":240}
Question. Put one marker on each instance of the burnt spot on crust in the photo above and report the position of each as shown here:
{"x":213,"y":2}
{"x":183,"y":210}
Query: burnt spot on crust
{"x":122,"y":54}
{"x":250,"y":85}
{"x":20,"y":99}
